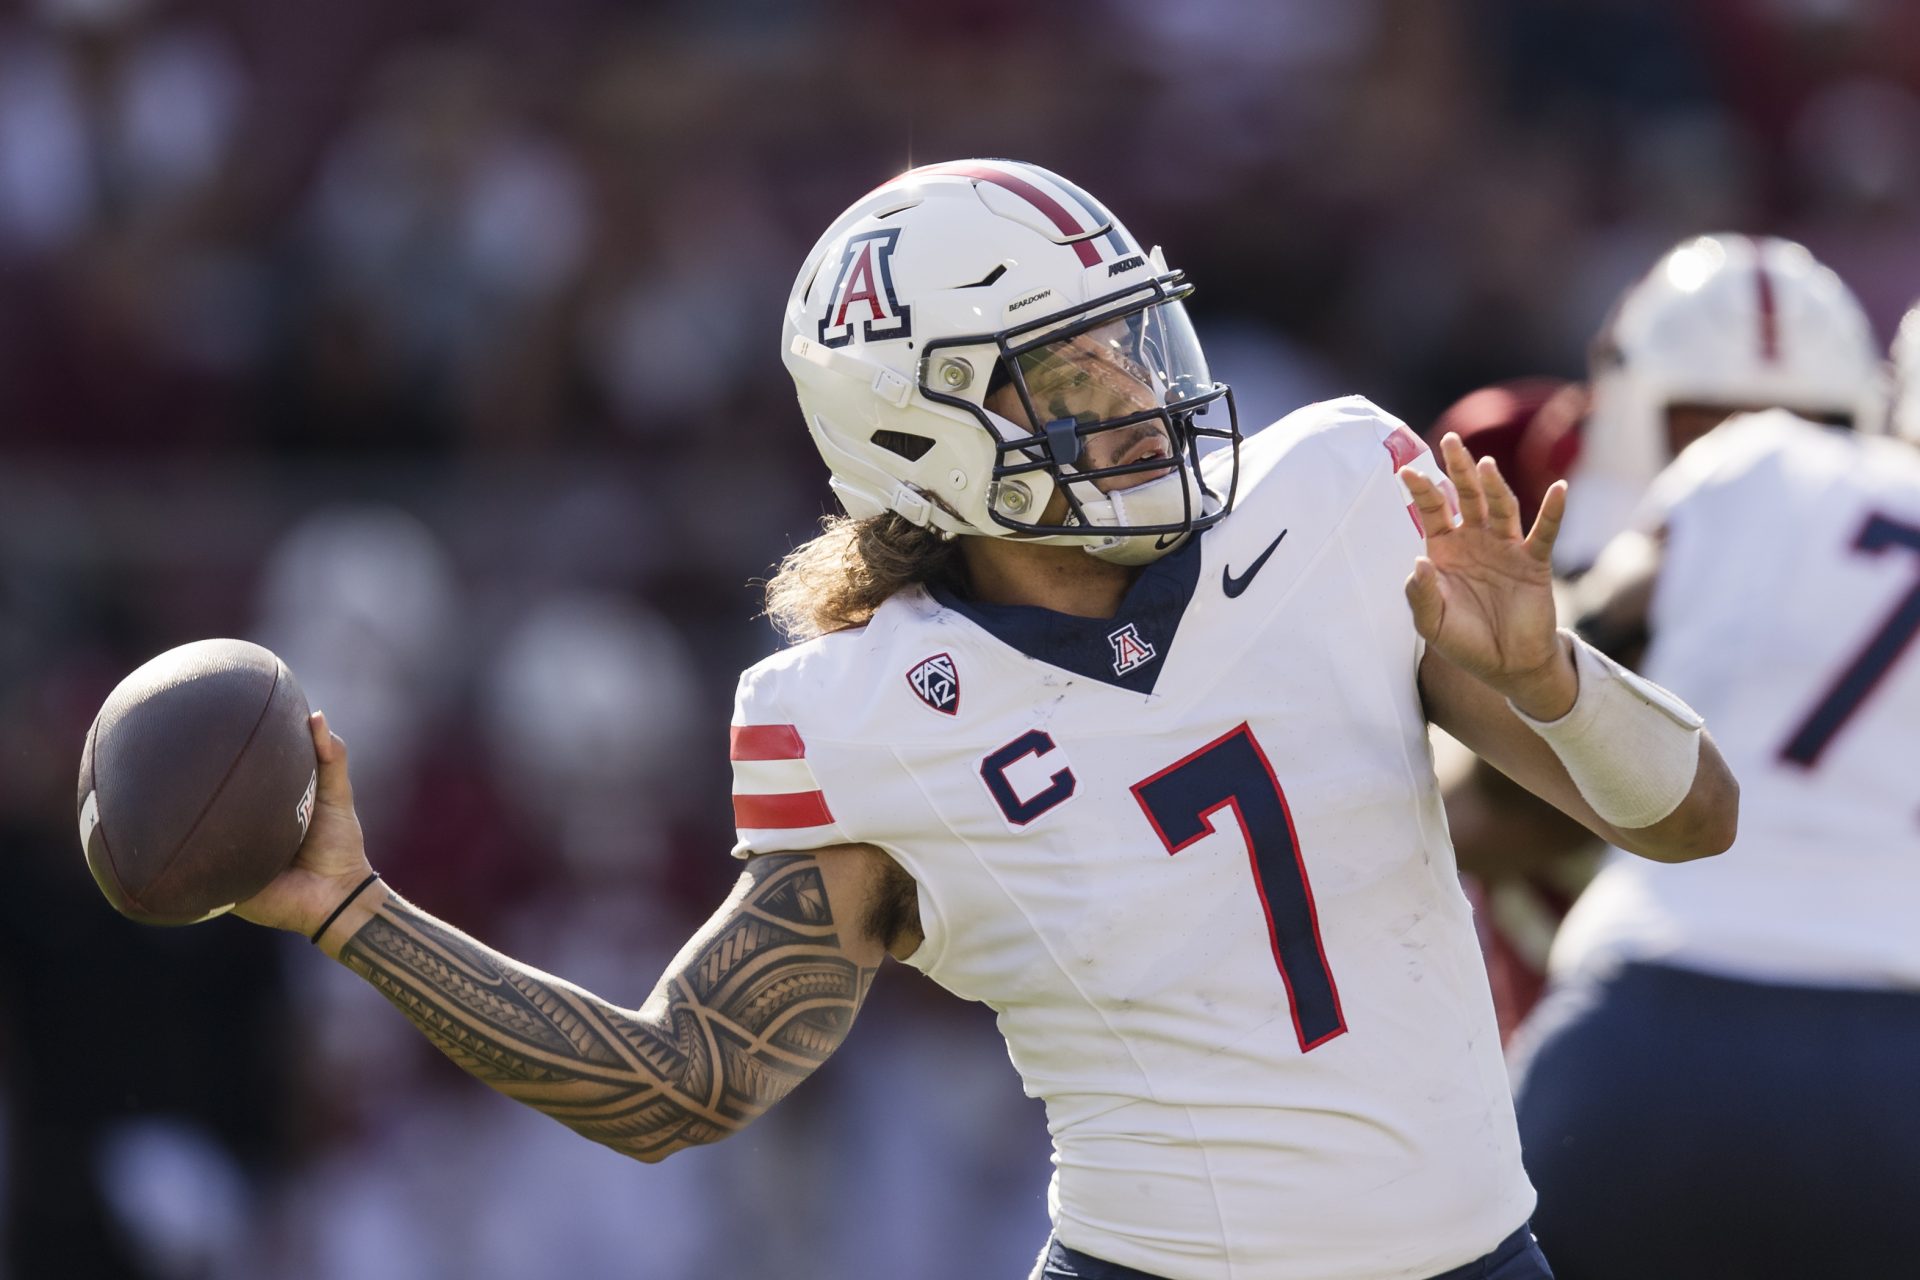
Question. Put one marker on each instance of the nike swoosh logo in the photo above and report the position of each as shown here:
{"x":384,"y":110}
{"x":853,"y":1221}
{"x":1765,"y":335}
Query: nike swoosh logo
{"x":1232,"y":585}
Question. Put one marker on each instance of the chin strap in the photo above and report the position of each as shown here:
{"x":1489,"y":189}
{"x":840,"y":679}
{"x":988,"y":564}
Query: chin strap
{"x":1166,"y":500}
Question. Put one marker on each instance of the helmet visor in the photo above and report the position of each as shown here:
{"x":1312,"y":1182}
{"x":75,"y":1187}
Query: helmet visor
{"x":1111,"y":399}
{"x":1143,"y":360}
{"x":1099,"y":398}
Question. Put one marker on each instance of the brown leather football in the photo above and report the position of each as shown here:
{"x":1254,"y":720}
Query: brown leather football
{"x":197,"y":782}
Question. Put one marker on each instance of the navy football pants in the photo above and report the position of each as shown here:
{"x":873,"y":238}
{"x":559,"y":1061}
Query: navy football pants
{"x":1688,"y":1126}
{"x":1515,"y":1258}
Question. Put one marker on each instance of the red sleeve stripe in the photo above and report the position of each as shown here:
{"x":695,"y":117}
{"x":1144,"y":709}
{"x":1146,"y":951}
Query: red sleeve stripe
{"x":1403,"y":446}
{"x":766,"y":742}
{"x":791,"y":809}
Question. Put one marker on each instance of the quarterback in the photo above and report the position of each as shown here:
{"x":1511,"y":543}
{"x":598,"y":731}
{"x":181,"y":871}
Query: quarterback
{"x":1116,"y":722}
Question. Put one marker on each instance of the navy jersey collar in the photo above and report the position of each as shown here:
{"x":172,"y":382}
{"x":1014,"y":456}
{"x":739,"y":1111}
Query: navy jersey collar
{"x":1128,"y":650}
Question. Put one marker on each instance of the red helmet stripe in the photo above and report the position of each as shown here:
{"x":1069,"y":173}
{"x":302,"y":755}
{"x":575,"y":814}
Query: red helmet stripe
{"x":1055,"y":212}
{"x":1094,"y":210}
{"x":1769,"y":308}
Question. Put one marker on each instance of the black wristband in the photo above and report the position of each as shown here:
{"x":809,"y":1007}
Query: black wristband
{"x":344,"y":904}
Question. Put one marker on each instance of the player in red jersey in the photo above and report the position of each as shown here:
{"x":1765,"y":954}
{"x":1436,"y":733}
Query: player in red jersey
{"x":1530,"y":427}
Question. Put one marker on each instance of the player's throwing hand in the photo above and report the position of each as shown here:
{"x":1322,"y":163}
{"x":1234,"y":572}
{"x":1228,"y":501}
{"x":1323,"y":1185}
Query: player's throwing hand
{"x":1482,"y":596}
{"x":332,"y":860}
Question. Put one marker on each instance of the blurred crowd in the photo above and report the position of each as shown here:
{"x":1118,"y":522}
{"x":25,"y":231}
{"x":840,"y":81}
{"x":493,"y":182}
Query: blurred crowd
{"x":431,"y":343}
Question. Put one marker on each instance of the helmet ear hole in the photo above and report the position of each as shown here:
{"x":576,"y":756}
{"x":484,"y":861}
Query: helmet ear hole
{"x":905,"y":443}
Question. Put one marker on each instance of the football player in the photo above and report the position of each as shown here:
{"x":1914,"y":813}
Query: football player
{"x":1721,"y":1081}
{"x":1128,"y":745}
{"x":1720,"y":325}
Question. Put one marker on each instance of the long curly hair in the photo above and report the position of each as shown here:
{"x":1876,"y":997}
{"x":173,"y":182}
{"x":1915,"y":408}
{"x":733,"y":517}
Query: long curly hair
{"x":838,"y":578}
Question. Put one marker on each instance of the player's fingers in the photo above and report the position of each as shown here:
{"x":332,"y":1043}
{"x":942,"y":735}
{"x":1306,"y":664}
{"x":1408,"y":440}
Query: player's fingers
{"x":330,"y":749}
{"x":1429,"y":502}
{"x":1465,"y":477}
{"x":1503,"y":509}
{"x":1424,"y":597}
{"x":327,"y":745}
{"x":1546,"y":525}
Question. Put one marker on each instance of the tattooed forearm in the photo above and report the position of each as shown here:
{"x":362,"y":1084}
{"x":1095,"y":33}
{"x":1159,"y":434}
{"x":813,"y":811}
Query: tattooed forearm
{"x":760,"y":998}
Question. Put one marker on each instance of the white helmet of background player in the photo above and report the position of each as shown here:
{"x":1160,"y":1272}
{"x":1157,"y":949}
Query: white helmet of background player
{"x":1903,"y":409}
{"x":954,"y":280}
{"x":1721,"y":322}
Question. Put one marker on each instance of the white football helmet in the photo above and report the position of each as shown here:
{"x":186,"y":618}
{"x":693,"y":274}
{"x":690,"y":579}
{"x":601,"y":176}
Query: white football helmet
{"x":954,"y":280}
{"x":1903,"y":408}
{"x":1733,"y":321}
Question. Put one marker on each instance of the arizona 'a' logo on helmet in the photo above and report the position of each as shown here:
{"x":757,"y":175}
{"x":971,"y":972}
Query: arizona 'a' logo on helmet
{"x":863,"y":294}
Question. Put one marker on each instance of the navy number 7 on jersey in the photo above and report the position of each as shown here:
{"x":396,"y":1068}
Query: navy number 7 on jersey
{"x":1232,"y":771}
{"x":1850,"y":689}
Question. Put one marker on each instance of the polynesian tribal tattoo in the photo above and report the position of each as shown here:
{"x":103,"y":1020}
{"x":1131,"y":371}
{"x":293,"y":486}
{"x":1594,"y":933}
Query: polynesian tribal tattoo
{"x":759,"y":999}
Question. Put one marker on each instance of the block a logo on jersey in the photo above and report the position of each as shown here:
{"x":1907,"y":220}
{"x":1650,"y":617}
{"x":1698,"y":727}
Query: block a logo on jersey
{"x":1130,"y":651}
{"x":863,"y":295}
{"x":937,"y":683}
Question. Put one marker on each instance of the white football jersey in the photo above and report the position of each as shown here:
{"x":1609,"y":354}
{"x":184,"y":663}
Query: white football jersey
{"x":1195,"y":858}
{"x":1787,"y":602}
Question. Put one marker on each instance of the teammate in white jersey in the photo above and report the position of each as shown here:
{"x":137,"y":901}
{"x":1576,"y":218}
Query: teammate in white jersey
{"x":1131,"y":748}
{"x":1721,"y":1083}
{"x":1720,"y":324}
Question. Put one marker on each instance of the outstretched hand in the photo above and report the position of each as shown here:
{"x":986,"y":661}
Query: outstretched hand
{"x":332,"y":860}
{"x":1482,"y":596}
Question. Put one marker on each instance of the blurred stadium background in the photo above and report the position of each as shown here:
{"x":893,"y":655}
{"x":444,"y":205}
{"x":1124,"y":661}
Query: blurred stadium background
{"x":432,"y":342}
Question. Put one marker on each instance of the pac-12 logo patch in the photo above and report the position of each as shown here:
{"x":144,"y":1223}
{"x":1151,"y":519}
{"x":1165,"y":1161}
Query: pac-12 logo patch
{"x":937,"y":683}
{"x":1130,"y":652}
{"x":863,"y":293}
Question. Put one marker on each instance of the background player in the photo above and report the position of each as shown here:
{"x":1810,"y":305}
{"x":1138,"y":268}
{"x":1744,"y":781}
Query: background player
{"x":1007,"y":758}
{"x":1780,"y":568}
{"x":1721,"y":324}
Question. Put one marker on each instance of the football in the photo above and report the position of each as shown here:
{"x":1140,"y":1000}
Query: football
{"x":196,"y":782}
